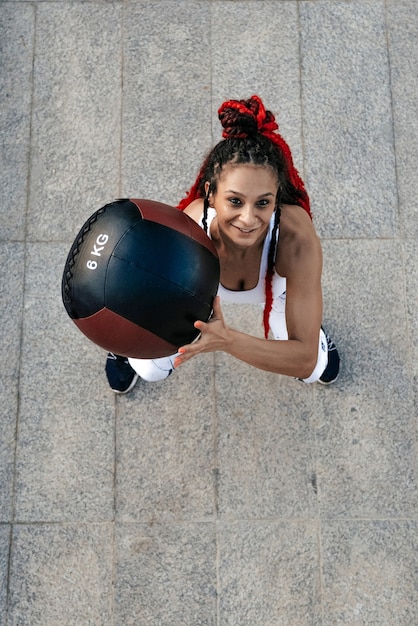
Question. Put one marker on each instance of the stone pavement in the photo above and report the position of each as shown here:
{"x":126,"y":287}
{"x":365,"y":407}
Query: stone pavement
{"x":225,"y":495}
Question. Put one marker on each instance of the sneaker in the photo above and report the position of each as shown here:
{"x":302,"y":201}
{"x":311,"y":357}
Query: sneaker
{"x":332,"y":370}
{"x":121,"y":376}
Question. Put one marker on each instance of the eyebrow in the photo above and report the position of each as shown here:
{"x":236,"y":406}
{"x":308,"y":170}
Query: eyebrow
{"x":237,"y":193}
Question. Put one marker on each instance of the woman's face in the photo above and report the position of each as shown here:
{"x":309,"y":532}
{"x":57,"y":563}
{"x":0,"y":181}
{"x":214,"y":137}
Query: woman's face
{"x":244,"y":200}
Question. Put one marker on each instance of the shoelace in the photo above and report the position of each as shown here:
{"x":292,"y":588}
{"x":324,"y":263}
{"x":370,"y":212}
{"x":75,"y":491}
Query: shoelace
{"x":330,"y":344}
{"x":115,"y":357}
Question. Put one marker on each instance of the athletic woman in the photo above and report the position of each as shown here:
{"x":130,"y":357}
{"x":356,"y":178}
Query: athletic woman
{"x":252,"y":203}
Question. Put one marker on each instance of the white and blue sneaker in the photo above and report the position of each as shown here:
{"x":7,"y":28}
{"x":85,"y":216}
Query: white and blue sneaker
{"x":330,"y":373}
{"x":120,"y":375}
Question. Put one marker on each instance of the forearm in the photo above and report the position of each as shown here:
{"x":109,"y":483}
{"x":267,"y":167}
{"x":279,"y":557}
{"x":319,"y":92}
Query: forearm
{"x":288,"y":357}
{"x":295,"y":357}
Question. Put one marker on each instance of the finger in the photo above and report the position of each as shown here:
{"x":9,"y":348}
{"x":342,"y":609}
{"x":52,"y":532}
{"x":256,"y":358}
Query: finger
{"x":184,"y":354}
{"x":180,"y":357}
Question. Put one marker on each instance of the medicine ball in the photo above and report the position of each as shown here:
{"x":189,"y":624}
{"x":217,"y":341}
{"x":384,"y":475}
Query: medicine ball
{"x":137,"y":277}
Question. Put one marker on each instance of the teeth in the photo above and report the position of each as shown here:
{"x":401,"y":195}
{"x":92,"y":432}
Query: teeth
{"x":244,"y":230}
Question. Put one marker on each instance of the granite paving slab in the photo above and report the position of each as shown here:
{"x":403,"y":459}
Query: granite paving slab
{"x":365,"y":424}
{"x":17,"y":28}
{"x":76,"y":116}
{"x":265,"y":455}
{"x":165,"y":435}
{"x":347,"y":121}
{"x":4,"y":565}
{"x":410,"y":259}
{"x":165,"y":574}
{"x":11,"y":314}
{"x":255,"y":50}
{"x":65,"y":451}
{"x":61,"y":574}
{"x":269,"y":573}
{"x":369,"y":572}
{"x":166,"y":97}
{"x":402,"y":20}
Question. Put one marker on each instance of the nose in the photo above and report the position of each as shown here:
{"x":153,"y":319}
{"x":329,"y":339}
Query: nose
{"x":247,"y":216}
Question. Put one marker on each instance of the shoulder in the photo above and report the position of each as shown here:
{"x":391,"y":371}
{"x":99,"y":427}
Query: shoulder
{"x":195,"y":209}
{"x":295,"y":220}
{"x":299,"y":245}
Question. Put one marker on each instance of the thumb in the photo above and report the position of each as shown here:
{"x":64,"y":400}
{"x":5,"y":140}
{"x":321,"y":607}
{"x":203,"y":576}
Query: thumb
{"x":217,"y":311}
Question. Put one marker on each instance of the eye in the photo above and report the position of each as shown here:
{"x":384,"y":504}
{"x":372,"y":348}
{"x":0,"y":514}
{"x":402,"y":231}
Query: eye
{"x":263,"y":203}
{"x":234,"y":201}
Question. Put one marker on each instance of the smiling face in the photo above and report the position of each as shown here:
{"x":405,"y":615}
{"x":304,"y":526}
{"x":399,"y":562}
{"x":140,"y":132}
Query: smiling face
{"x":244,"y":200}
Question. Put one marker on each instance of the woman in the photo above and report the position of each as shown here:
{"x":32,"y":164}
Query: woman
{"x":252,"y":203}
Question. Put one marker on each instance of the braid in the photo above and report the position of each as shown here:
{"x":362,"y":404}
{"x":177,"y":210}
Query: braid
{"x":271,"y":259}
{"x":230,"y":111}
{"x":194,"y":191}
{"x":250,"y":135}
{"x":205,"y":213}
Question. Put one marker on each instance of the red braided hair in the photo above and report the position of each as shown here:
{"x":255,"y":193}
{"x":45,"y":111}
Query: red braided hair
{"x":253,"y":110}
{"x":242,"y":120}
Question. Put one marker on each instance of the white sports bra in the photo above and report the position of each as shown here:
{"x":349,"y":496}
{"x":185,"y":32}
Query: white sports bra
{"x":256,"y":295}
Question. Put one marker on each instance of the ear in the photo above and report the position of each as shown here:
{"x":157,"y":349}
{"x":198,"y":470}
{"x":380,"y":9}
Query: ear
{"x":208,"y":192}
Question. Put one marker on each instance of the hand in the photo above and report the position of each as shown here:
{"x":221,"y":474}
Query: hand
{"x":214,"y":336}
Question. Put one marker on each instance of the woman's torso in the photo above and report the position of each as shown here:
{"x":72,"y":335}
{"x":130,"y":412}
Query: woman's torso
{"x":257,"y":294}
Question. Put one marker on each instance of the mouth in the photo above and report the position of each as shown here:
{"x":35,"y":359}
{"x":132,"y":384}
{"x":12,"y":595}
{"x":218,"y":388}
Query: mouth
{"x":246,"y":231}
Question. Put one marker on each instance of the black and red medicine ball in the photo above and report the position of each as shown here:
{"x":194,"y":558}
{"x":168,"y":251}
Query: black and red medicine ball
{"x":137,"y":277}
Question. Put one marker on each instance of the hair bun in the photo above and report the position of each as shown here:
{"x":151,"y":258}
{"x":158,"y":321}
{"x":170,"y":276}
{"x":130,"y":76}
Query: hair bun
{"x":243,"y":118}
